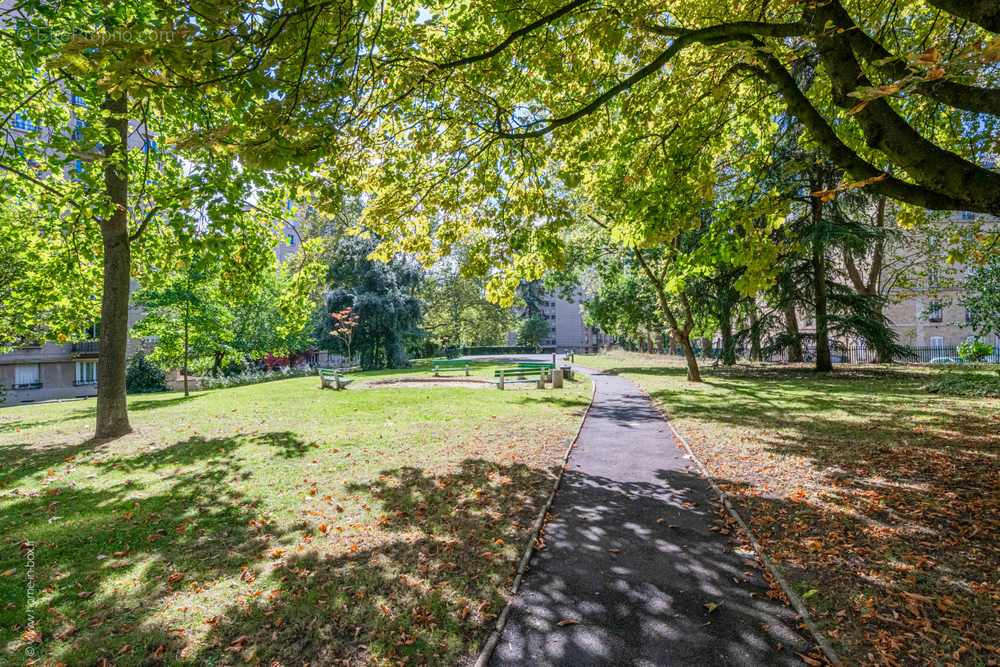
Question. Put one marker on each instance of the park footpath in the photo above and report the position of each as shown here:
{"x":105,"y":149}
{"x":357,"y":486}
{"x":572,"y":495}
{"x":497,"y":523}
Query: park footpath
{"x":631,"y":572}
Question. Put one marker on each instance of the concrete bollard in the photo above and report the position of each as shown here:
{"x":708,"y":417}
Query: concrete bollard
{"x":500,"y":382}
{"x":541,"y":381}
{"x":557,"y":378}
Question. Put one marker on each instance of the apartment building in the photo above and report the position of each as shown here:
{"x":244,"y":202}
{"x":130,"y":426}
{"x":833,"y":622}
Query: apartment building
{"x":48,"y":371}
{"x":567,"y":330}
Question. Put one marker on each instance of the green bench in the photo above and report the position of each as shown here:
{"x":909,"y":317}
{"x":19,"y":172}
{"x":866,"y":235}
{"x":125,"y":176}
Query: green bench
{"x":535,"y":364}
{"x":520,"y":374}
{"x":333,"y":378}
{"x":449,"y":365}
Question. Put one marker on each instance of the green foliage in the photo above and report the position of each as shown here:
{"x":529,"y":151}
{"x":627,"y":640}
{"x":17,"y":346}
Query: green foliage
{"x":456,"y":311}
{"x":533,"y":331}
{"x":143,"y":376}
{"x":383,"y":296}
{"x":230,"y":312}
{"x":982,"y":297}
{"x":973,"y":351}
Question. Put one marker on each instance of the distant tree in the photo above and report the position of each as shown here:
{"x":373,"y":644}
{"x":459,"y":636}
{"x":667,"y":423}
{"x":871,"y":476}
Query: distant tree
{"x":345,"y":322}
{"x":383,"y":295}
{"x":982,"y":297}
{"x":457,"y":312}
{"x":532,"y":332}
{"x":204,"y":309}
{"x":188,"y":312}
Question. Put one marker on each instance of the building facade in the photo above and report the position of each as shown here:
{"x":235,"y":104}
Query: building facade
{"x":50,"y":371}
{"x":567,"y":330}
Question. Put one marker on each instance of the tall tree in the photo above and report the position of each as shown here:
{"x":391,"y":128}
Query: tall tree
{"x":383,"y":295}
{"x":90,"y":95}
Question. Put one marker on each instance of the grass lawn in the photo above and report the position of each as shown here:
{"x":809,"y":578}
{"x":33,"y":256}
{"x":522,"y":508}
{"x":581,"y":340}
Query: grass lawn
{"x":275,"y":524}
{"x":881,"y":501}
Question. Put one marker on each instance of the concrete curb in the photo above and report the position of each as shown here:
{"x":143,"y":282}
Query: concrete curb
{"x":797,"y":603}
{"x":491,"y":642}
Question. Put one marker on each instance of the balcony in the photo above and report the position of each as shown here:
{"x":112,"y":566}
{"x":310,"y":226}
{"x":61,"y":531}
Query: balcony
{"x":86,"y":348}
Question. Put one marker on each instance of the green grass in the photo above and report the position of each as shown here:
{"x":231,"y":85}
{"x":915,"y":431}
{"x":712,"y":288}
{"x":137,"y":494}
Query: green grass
{"x":273,"y":522}
{"x":871,"y":491}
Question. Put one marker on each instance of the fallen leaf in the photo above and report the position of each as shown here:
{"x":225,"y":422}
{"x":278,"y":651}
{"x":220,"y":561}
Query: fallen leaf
{"x":568,"y":621}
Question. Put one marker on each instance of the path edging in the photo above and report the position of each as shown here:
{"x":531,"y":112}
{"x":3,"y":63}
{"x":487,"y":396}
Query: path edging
{"x":797,"y":603}
{"x":491,"y":642}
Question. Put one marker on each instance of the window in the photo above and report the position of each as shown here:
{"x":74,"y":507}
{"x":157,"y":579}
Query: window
{"x":967,"y":216}
{"x":78,"y":126}
{"x":86,"y":373}
{"x":149,"y":145}
{"x":933,"y":277}
{"x":76,"y":100}
{"x":27,"y":376}
{"x":937,"y":342}
{"x":23,"y":123}
{"x":935,"y":312}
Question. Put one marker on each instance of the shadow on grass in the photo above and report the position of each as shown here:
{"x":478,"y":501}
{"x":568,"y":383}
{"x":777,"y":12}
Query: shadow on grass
{"x":134,"y":405}
{"x":421,"y":583}
{"x":89,"y":544}
{"x":905,"y":484}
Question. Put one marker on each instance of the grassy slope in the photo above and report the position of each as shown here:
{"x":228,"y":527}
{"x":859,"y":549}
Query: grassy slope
{"x":876,"y":496}
{"x":275,"y":521}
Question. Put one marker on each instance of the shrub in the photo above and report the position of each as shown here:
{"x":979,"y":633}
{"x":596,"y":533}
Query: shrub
{"x":143,"y":376}
{"x":254,"y":377}
{"x":972,"y":351}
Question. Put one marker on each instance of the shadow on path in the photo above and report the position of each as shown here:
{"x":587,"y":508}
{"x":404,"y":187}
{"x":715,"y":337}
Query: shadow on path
{"x":631,"y":572}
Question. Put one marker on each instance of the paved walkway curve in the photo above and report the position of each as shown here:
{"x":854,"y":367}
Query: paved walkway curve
{"x":630,"y":556}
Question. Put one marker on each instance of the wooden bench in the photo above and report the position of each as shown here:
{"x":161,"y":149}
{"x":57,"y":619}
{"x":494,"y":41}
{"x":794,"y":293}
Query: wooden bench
{"x":449,"y":365}
{"x":504,"y":375}
{"x":333,"y":378}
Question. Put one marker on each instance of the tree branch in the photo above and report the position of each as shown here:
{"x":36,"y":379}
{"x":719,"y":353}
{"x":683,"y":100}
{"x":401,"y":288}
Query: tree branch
{"x":984,"y":13}
{"x":512,"y":37}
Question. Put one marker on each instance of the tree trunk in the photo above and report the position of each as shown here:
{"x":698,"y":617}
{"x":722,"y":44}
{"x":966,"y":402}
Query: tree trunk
{"x":726,"y":327}
{"x":112,"y":411}
{"x":218,"y":355}
{"x":755,"y":353}
{"x":824,"y":363}
{"x":187,"y":314}
{"x":693,"y":372}
{"x":792,"y":328}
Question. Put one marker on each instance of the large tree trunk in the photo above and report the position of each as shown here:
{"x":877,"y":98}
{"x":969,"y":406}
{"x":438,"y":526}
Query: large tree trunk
{"x":792,"y":328}
{"x":823,"y":361}
{"x":112,"y":412}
